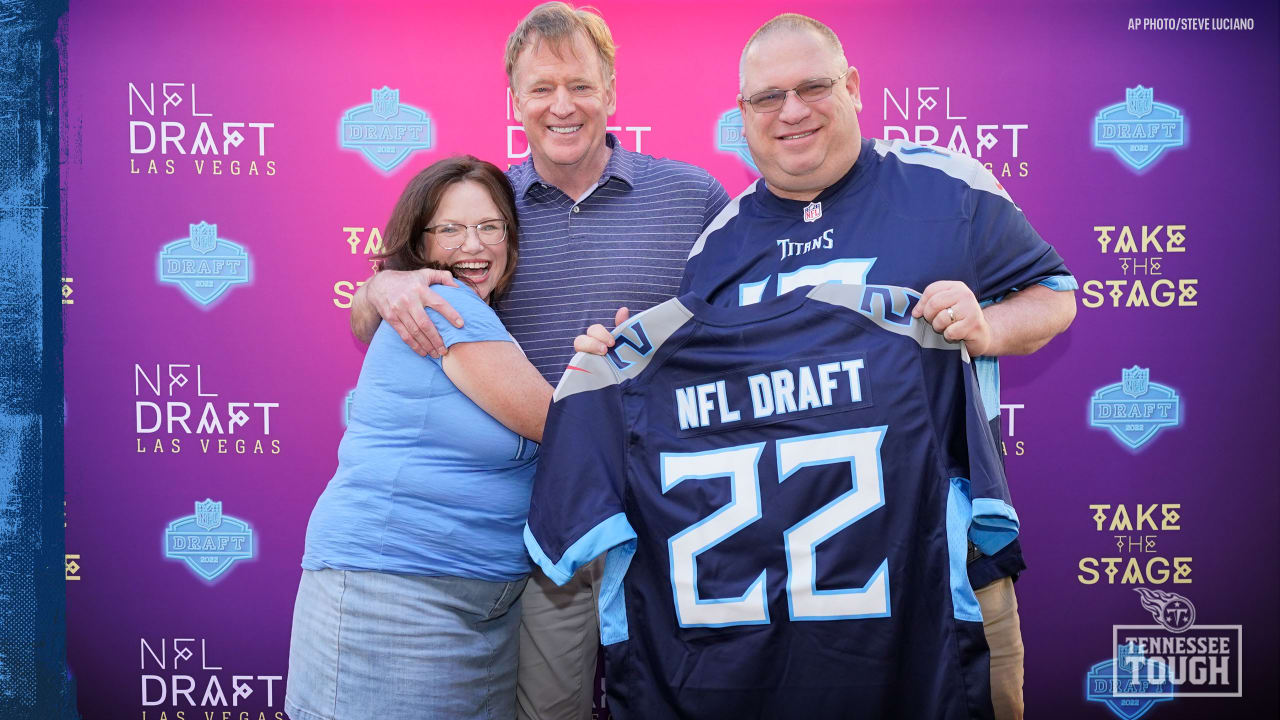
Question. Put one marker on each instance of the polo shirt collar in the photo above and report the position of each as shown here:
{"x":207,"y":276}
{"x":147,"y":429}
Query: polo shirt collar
{"x":622,"y":165}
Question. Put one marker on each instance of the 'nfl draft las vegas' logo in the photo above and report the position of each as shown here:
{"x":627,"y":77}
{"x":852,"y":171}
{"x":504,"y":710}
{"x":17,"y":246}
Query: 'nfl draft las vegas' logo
{"x":386,"y":130}
{"x":208,"y":541}
{"x":204,"y":265}
{"x":729,"y":137}
{"x":1139,"y":129}
{"x":1135,"y":409}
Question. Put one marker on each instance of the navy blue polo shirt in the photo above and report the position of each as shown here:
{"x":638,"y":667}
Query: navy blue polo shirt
{"x":623,"y":243}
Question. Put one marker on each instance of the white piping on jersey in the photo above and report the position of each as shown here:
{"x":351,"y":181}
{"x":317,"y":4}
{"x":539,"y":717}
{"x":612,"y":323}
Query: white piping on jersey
{"x":956,"y":164}
{"x":728,"y":213}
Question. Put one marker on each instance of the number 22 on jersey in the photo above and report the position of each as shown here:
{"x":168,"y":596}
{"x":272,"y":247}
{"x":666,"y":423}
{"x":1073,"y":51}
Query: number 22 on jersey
{"x":859,"y":448}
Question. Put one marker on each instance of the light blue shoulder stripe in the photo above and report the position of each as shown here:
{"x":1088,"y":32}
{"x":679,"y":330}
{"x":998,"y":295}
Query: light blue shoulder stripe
{"x":613,"y":531}
{"x":727,"y":213}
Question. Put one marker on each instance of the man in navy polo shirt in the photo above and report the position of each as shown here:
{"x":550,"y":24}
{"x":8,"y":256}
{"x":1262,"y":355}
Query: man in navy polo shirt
{"x":600,"y":227}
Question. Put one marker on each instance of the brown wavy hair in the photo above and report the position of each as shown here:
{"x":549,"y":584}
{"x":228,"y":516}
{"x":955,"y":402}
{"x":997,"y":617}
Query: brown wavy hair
{"x":404,"y":244}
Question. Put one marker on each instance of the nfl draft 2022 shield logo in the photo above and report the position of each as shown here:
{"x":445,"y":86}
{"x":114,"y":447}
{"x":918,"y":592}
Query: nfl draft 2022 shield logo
{"x":729,"y":137}
{"x":208,"y":541}
{"x":1117,"y":690}
{"x":204,"y":265}
{"x":1135,"y":409}
{"x":386,"y":130}
{"x":1139,"y":129}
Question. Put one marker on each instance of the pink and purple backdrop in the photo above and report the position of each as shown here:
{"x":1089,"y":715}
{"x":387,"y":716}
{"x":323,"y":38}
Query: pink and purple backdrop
{"x":1039,"y":74}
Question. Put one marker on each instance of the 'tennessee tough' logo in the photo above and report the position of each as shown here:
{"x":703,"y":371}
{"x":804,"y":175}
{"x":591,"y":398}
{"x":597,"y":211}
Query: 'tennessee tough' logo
{"x":1135,"y":409}
{"x":208,"y":541}
{"x":204,"y":265}
{"x":386,"y":130}
{"x":1176,"y":658}
{"x":1139,"y":129}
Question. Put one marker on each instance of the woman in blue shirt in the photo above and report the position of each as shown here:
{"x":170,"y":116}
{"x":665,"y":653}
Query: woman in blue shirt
{"x":409,"y":604}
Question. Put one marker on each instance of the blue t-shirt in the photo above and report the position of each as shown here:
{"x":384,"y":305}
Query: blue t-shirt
{"x":427,"y":482}
{"x":784,"y":492}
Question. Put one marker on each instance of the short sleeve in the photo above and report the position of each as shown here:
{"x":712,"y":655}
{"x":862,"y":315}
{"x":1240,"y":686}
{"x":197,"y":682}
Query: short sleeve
{"x":1008,"y":253}
{"x":577,"y":512}
{"x":969,"y":452}
{"x":480,"y":323}
{"x":717,"y":198}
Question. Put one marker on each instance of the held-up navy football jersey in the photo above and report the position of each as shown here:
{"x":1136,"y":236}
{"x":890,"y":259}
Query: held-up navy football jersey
{"x":783,"y":493}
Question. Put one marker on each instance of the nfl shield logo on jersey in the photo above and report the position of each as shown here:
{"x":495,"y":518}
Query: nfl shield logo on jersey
{"x":812,"y":212}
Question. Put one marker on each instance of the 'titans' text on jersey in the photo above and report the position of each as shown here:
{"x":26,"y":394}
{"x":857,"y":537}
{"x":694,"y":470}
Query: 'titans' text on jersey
{"x":784,"y":494}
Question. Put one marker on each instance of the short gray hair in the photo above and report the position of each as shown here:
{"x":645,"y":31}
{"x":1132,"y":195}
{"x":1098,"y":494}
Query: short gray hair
{"x":793,"y":22}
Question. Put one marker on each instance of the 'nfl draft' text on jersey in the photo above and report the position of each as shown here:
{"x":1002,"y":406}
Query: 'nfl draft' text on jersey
{"x":784,"y":494}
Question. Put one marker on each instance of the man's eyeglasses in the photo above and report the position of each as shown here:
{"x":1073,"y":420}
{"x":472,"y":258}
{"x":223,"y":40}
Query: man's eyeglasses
{"x":768,"y":101}
{"x":451,"y":236}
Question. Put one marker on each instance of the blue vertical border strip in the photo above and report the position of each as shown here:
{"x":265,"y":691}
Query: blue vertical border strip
{"x":34,"y":682}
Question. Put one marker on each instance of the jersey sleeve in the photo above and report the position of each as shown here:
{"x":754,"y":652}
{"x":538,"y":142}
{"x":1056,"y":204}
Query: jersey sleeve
{"x":1008,"y":254}
{"x":480,"y":322}
{"x":969,"y":453}
{"x":576,"y":511}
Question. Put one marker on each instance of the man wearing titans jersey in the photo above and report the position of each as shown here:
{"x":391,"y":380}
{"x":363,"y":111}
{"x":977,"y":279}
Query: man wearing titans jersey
{"x":835,"y":207}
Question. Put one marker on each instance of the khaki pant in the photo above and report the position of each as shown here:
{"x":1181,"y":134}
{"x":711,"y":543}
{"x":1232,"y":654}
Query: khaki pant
{"x":1004,"y":637}
{"x":559,"y":643}
{"x":560,"y":638}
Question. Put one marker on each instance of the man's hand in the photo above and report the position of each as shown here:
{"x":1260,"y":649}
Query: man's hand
{"x":1021,"y":323}
{"x":399,"y":297}
{"x":597,"y":340}
{"x":953,"y":310}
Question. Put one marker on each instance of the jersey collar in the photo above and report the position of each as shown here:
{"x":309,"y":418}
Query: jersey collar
{"x":858,"y":176}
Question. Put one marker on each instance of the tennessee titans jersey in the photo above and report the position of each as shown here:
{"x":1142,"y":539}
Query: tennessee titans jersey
{"x":905,"y":214}
{"x":784,"y":494}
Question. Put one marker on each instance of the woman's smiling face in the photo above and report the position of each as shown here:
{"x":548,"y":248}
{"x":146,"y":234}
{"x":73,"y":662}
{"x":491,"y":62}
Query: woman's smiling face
{"x":481,"y":265}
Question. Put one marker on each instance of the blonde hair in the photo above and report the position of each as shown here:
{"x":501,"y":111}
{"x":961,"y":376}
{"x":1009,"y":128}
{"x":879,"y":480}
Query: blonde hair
{"x":793,"y":22}
{"x":558,"y":22}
